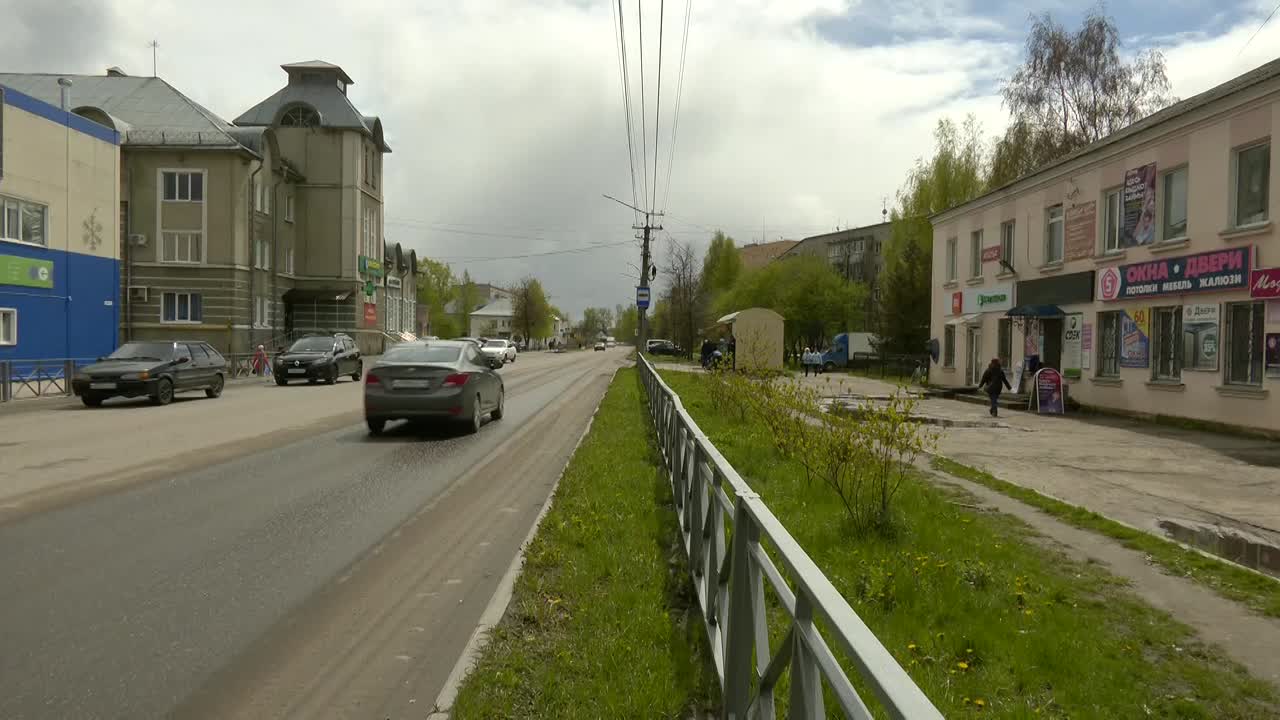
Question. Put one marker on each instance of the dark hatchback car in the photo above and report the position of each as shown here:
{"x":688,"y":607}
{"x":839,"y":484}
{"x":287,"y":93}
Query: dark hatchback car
{"x":319,"y":357}
{"x":438,"y":379}
{"x":154,"y":369}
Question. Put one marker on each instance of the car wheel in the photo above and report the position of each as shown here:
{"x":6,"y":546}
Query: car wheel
{"x":311,"y":381}
{"x":828,"y":366}
{"x":359,"y":372}
{"x":502,"y":401}
{"x":282,"y":380}
{"x":332,"y":377}
{"x":164,"y":392}
{"x":473,"y":426}
{"x":92,"y":400}
{"x":375,"y":425}
{"x":215,"y":389}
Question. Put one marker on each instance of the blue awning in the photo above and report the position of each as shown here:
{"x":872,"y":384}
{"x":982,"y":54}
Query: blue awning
{"x":1036,"y":311}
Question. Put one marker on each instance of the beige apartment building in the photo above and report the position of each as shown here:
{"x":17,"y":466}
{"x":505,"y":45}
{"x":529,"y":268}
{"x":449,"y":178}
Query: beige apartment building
{"x":1140,"y":266}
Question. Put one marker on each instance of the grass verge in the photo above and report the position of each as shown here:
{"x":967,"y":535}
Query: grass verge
{"x":986,"y":620}
{"x":603,"y":622}
{"x":1260,"y":593}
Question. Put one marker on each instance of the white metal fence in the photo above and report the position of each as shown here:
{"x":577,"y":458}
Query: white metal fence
{"x":730,"y":584}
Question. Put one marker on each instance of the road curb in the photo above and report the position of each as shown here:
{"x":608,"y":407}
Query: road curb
{"x":501,"y":598}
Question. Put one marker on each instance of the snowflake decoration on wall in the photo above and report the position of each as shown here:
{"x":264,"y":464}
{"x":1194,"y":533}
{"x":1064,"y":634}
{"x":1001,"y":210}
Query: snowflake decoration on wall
{"x":92,"y":230}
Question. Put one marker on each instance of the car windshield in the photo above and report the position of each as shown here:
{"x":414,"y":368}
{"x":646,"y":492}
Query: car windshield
{"x":422,"y":354}
{"x":312,"y":344}
{"x":143,"y":351}
{"x":495,"y":344}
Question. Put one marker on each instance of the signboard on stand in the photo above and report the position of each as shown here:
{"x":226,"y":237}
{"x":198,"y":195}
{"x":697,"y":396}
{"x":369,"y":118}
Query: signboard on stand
{"x":1048,"y":392}
{"x":1072,"y":344}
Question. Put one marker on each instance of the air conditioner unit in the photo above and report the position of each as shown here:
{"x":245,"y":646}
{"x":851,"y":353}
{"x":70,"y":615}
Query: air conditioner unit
{"x":138,"y":293}
{"x":138,"y":239}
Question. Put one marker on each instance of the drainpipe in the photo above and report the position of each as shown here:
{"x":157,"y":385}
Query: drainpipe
{"x":128,"y":259}
{"x":275,"y":255}
{"x":253,"y":254}
{"x":65,"y":84}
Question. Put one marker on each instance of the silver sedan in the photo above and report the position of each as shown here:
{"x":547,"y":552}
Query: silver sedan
{"x":438,"y":379}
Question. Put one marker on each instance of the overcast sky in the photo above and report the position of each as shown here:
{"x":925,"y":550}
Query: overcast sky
{"x":506,"y":116}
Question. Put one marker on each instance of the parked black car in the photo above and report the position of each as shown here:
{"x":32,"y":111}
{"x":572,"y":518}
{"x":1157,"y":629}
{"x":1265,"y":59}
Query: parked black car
{"x":664,"y":347}
{"x":319,"y":357}
{"x":154,"y":369}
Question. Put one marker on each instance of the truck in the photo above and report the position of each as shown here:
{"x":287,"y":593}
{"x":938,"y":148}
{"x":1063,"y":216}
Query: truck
{"x":845,"y":346}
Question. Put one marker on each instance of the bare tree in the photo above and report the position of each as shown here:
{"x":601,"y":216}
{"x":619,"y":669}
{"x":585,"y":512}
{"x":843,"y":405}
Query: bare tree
{"x":684,"y":293}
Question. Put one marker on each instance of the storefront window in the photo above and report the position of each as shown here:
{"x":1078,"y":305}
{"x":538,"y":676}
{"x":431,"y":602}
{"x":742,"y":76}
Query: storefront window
{"x":949,"y":346}
{"x":1244,"y":343}
{"x":1109,"y":344}
{"x":1167,"y":343}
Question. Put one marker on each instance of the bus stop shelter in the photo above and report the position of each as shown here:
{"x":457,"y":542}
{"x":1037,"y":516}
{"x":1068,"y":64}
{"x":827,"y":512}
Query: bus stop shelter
{"x":758,"y":337}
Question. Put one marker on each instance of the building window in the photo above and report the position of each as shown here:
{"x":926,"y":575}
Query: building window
{"x":261,"y":197}
{"x":288,"y":260}
{"x":949,"y":346}
{"x":1053,"y":235}
{"x":181,"y":247}
{"x":1109,"y":344}
{"x":23,"y":221}
{"x":1252,"y":171}
{"x":1112,"y":220}
{"x":1006,"y":244}
{"x":300,"y":116}
{"x":1166,"y":343}
{"x":951,"y":258}
{"x":1004,"y":344}
{"x":1244,"y":343}
{"x":288,"y":208}
{"x":262,"y":312}
{"x":1175,"y":204}
{"x":262,"y":255}
{"x":184,"y":186}
{"x":8,"y":326}
{"x":975,"y":254}
{"x":181,"y":307}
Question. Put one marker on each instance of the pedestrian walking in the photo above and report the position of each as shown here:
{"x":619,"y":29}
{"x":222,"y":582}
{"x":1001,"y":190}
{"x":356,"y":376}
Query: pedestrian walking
{"x":806,"y":359}
{"x":995,"y":382}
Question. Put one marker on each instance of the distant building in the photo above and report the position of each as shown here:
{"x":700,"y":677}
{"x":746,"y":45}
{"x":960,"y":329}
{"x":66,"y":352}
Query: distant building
{"x":492,"y":320}
{"x":856,"y":253}
{"x":481,"y":294}
{"x":758,"y":255}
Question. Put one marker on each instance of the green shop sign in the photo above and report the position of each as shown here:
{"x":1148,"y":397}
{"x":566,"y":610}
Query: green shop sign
{"x":27,"y":272}
{"x":370,"y":266}
{"x":368,"y":287}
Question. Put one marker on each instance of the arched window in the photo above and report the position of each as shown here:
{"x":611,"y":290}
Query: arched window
{"x":300,"y":116}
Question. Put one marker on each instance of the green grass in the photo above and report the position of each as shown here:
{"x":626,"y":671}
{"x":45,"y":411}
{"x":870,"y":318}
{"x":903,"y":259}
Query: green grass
{"x":975,"y":609}
{"x":1259,"y":592}
{"x":603,"y":622}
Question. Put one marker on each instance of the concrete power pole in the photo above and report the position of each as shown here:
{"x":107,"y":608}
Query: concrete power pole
{"x":647,"y":229}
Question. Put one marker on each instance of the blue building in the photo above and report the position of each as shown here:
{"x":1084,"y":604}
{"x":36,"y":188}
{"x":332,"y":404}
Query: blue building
{"x":59,"y":232}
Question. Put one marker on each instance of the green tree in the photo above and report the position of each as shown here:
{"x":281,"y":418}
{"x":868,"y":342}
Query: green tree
{"x":436,"y":288}
{"x":467,"y":297}
{"x":721,"y":265}
{"x":596,"y":321}
{"x":626,"y":323}
{"x":530,"y":311}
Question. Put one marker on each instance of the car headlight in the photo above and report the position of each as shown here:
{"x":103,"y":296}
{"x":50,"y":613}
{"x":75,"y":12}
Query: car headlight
{"x":144,"y":375}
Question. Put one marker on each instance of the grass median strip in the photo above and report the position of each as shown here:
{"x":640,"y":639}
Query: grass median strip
{"x":984,"y":619}
{"x":602,"y":622}
{"x":1260,"y":593}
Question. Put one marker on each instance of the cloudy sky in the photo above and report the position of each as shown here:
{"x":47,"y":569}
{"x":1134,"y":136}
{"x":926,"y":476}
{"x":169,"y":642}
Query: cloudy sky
{"x":506,"y":116}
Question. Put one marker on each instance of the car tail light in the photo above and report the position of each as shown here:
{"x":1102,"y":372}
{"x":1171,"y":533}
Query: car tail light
{"x":457,"y":379}
{"x":371,"y":379}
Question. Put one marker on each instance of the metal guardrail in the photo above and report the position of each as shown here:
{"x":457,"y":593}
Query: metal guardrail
{"x":22,"y":379}
{"x":729,"y":582}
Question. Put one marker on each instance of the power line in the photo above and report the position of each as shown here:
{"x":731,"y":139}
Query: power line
{"x":626,"y":97}
{"x":675,"y":119}
{"x":570,"y":251}
{"x":644,"y":131}
{"x":1255,"y":32}
{"x":657,"y":105}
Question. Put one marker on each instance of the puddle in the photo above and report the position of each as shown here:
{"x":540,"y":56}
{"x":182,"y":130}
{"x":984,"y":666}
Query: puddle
{"x":1227,"y":544}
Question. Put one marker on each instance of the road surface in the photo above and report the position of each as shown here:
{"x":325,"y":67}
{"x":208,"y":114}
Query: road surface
{"x":314,"y":572}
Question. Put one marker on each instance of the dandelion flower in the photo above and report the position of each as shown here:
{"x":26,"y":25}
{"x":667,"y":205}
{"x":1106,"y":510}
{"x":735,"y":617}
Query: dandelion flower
{"x":962,"y":665}
{"x":980,"y":702}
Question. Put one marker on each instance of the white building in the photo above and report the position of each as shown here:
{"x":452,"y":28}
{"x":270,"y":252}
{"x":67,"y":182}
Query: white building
{"x":493,"y":320}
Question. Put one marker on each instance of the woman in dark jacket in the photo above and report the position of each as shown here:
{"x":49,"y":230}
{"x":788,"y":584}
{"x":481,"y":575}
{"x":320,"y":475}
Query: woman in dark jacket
{"x":994,"y":381}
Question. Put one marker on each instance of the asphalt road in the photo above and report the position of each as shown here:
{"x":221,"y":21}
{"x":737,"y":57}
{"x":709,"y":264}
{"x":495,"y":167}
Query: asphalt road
{"x":335,"y":575}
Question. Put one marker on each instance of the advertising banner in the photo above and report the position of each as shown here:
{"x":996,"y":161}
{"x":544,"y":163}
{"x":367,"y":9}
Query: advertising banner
{"x":1048,"y":389}
{"x":957,"y":302}
{"x":1273,"y":354}
{"x":1139,"y":206}
{"x":992,"y":299}
{"x":1264,"y":284}
{"x":1135,"y":333}
{"x":27,"y":272}
{"x":370,"y":266}
{"x":1086,"y":346}
{"x":991,"y":254}
{"x":1081,"y":230}
{"x":1200,"y":337}
{"x":370,"y":315}
{"x":1203,"y":272}
{"x":1072,"y":337}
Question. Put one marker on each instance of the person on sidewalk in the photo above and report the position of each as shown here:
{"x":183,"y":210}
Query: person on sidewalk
{"x":806,"y":359}
{"x":995,"y":382}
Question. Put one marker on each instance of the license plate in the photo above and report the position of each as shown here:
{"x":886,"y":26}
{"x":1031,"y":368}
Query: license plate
{"x":102,"y":386}
{"x":410,"y":384}
{"x":297,"y":371}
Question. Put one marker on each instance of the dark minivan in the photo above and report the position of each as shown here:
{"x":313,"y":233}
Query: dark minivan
{"x":152,"y":368}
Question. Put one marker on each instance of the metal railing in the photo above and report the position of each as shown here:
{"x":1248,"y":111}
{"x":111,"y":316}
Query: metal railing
{"x":730,"y":584}
{"x":22,"y":379}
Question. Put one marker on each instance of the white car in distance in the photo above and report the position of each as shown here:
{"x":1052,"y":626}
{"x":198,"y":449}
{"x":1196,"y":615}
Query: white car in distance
{"x":505,"y":350}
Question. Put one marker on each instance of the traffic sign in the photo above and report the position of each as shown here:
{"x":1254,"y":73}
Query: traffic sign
{"x":642,"y":297}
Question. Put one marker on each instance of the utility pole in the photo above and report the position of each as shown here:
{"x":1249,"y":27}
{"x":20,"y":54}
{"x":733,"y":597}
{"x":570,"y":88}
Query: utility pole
{"x":646,"y":235}
{"x":153,"y":45}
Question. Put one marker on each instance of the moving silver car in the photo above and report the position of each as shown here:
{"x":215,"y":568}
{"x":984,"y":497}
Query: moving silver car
{"x":446,"y":379}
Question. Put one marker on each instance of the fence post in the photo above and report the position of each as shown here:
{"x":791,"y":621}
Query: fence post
{"x":806,"y":680}
{"x":740,"y":617}
{"x":68,"y":369}
{"x":6,"y":387}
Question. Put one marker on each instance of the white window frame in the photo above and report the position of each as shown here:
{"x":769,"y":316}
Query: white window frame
{"x":1050,"y":220}
{"x":177,"y":320}
{"x":288,"y":208}
{"x":1008,"y":236}
{"x":20,"y":206}
{"x":952,"y":261}
{"x":949,"y":347}
{"x":179,"y":236}
{"x":1112,"y":232}
{"x":12,"y":314}
{"x":179,"y":177}
{"x":1235,"y":184}
{"x":975,"y":254}
{"x":262,"y":311}
{"x":1184,"y":170}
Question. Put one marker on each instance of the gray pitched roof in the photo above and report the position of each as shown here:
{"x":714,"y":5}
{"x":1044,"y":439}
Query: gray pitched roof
{"x":319,"y":65}
{"x":497,"y":308}
{"x":154,"y":112}
{"x":332,"y":104}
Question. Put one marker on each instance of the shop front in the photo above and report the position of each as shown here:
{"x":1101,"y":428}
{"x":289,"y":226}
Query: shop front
{"x":981,"y":309}
{"x":1052,"y":317}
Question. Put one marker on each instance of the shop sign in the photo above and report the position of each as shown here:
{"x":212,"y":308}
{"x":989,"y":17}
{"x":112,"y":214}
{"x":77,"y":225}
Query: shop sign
{"x":1273,"y":354}
{"x":370,"y":266}
{"x":1202,"y":272}
{"x":1048,"y":388}
{"x":393,"y":282}
{"x":1072,"y":336}
{"x":369,"y":287}
{"x":27,"y":272}
{"x":957,"y":303}
{"x":1139,"y":206}
{"x":370,"y":315}
{"x":1081,"y":230}
{"x":1069,"y":289}
{"x":1264,"y":283}
{"x":984,"y":300}
{"x":991,"y":254}
{"x":1135,"y":334}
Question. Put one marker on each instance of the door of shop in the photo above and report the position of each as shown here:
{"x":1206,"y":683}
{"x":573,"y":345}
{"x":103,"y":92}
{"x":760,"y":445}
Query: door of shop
{"x":1051,"y":353}
{"x":973,"y":355}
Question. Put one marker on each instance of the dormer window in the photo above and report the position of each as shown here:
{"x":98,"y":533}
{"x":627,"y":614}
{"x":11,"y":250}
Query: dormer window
{"x":300,"y":116}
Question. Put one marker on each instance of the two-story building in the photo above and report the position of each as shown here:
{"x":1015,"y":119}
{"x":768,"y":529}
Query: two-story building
{"x":1144,"y":266}
{"x":59,"y":244}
